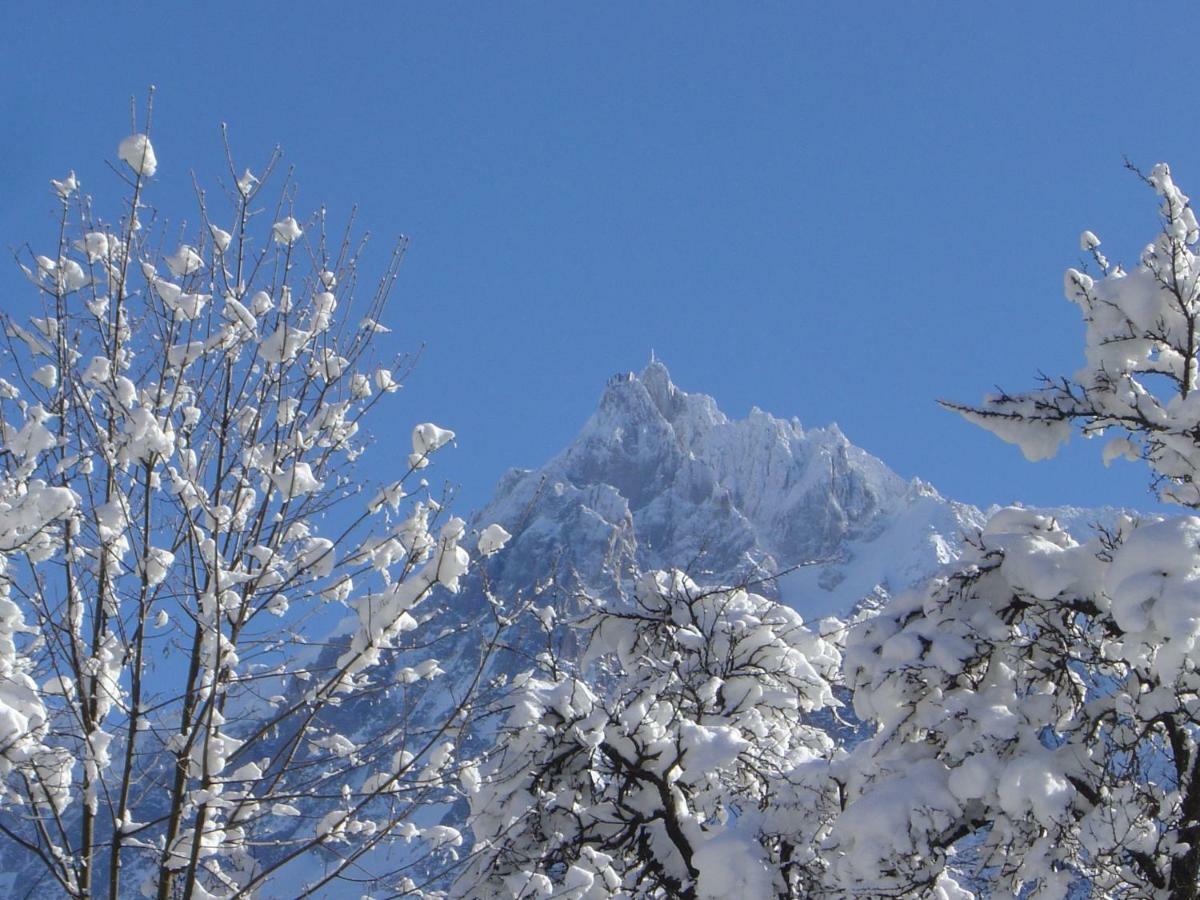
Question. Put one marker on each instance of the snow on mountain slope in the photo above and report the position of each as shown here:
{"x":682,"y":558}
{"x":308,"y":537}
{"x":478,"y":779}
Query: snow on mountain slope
{"x":658,"y":477}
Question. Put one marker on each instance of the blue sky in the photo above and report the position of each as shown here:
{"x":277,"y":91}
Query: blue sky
{"x":839,"y":213}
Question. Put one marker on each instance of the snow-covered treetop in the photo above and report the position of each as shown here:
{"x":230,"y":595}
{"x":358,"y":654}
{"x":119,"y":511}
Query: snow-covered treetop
{"x":180,"y":515}
{"x":1035,"y":707}
{"x":652,"y":767}
{"x":1142,"y":348}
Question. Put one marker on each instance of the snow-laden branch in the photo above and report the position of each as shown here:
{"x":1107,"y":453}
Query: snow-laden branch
{"x":663,"y":763}
{"x":195,"y":580}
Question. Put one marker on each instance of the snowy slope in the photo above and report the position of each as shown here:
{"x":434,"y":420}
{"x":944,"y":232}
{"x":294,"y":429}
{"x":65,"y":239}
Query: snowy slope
{"x":658,"y":477}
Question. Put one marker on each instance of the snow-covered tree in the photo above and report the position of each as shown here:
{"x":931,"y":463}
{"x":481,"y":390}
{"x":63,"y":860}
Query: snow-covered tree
{"x":1038,"y":709}
{"x":667,"y":762}
{"x":184,"y":521}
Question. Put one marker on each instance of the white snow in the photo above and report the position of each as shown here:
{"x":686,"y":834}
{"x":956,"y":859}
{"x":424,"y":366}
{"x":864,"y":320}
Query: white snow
{"x":296,"y":480}
{"x":184,"y":261}
{"x":732,"y":866}
{"x":46,"y":376}
{"x":492,"y":539}
{"x":427,"y":438}
{"x":137,"y":152}
{"x":221,"y":238}
{"x":67,"y":186}
{"x":246,"y":183}
{"x":287,"y":231}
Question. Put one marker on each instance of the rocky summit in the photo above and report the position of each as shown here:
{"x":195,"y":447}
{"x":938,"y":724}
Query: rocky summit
{"x":661,"y":478}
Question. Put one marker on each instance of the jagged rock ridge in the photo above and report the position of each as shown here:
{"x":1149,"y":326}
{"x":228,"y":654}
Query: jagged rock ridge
{"x":659,"y":477}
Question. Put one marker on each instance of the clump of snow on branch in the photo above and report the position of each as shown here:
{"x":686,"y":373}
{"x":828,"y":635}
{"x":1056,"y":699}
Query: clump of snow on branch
{"x":287,"y":231}
{"x":426,"y":438}
{"x":1139,"y":379}
{"x":492,"y":540}
{"x":137,"y":152}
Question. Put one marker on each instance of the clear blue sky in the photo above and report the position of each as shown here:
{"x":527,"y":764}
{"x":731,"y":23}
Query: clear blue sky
{"x":837,"y":213}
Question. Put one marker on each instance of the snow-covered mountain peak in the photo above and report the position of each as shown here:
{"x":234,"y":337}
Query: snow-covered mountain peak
{"x":661,"y":477}
{"x":652,"y":400}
